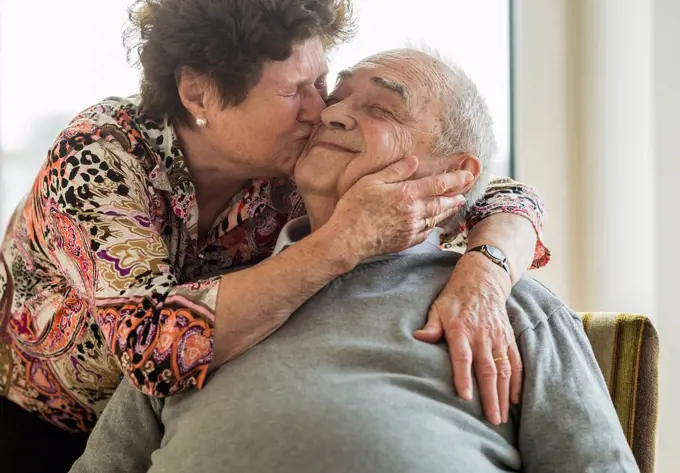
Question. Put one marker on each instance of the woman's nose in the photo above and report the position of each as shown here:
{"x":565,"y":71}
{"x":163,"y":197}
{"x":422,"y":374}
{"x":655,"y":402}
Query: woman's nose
{"x":311,"y":107}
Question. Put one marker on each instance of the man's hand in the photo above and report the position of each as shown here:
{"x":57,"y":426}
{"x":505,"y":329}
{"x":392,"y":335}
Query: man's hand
{"x":470,"y":312}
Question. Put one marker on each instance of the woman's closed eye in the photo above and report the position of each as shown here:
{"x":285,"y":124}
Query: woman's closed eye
{"x":321,"y":87}
{"x":291,"y":92}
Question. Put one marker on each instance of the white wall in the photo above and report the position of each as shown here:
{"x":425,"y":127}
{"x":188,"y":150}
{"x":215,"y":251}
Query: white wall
{"x":667,"y":228}
{"x":542,"y":127}
{"x":617,"y":154}
{"x":597,"y":118}
{"x":585,"y":139}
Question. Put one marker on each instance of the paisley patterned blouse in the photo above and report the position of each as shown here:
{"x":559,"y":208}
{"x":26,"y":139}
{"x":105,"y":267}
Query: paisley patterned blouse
{"x":102,"y":274}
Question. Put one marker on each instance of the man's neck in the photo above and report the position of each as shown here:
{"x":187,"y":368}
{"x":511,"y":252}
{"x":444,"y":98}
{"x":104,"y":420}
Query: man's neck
{"x":319,"y":210}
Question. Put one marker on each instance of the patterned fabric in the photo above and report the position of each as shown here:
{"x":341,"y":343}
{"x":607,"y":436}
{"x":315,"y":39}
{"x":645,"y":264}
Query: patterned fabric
{"x":500,"y":196}
{"x":103,"y":274}
{"x":627,"y":350}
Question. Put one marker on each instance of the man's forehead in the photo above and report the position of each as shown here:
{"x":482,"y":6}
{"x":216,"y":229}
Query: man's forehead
{"x":385,"y":83}
{"x":396,"y":67}
{"x":405,"y":75}
{"x":386,"y":76}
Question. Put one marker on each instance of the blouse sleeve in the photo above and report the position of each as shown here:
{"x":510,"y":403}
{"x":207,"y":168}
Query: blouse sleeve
{"x":506,"y":195}
{"x":103,"y":236}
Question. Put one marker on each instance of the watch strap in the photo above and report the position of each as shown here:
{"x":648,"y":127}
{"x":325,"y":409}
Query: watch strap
{"x":494,"y":255}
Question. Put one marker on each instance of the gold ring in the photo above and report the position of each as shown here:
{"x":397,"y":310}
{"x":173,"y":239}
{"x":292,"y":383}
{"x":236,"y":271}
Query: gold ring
{"x":428,"y":223}
{"x":502,"y":358}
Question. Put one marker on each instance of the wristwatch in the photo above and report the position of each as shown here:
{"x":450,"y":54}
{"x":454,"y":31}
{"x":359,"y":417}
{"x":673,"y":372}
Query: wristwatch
{"x":495,"y":255}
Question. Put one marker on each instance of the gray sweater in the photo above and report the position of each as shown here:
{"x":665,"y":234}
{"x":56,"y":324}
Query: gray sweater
{"x":344,"y":387}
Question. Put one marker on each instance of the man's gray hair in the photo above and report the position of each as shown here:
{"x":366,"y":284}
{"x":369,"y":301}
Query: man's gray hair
{"x":467,"y":123}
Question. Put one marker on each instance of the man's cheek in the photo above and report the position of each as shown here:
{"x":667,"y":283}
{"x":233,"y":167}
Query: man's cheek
{"x":390,"y":147}
{"x":403,"y":143}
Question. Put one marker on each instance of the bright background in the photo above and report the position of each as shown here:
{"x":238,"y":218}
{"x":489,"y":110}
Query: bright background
{"x":596,"y":94}
{"x":72,"y":57}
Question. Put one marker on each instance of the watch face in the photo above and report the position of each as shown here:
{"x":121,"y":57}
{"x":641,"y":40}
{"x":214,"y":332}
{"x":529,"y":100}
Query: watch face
{"x":495,"y":253}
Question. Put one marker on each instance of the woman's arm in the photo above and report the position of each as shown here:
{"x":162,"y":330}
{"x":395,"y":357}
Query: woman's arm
{"x":254,"y":302}
{"x":166,"y":335}
{"x":513,"y":234}
{"x":470,"y":311}
{"x":512,"y":199}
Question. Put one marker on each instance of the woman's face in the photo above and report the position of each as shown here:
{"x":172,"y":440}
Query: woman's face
{"x":266,"y":133}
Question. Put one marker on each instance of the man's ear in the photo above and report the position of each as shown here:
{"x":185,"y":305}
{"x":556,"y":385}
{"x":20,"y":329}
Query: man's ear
{"x":467,"y":162}
{"x":193,"y":90}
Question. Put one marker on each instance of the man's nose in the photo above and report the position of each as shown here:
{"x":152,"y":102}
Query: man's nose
{"x":311,"y":107}
{"x":336,"y":117}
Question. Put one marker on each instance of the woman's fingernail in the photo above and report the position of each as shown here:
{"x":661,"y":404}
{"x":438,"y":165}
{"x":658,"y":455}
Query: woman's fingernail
{"x":496,"y":418}
{"x":467,"y":394}
{"x":460,"y":200}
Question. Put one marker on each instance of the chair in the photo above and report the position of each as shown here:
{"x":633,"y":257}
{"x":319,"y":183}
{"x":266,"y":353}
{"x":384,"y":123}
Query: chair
{"x":627,"y":349}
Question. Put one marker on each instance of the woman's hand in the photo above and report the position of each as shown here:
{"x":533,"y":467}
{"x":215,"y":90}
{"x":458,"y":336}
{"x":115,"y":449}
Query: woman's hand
{"x":470,"y":312}
{"x":385,"y":213}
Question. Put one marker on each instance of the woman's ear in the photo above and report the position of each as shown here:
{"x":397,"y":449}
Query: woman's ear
{"x":192,"y":88}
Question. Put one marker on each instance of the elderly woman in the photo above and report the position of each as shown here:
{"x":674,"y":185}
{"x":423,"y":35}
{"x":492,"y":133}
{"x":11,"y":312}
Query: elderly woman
{"x":106,"y":267}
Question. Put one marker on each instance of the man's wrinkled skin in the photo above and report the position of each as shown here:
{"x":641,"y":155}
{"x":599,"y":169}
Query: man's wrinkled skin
{"x":382,"y":109}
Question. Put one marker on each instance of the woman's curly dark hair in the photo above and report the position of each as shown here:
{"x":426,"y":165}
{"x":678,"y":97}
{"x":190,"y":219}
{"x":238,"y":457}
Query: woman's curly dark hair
{"x":228,"y":40}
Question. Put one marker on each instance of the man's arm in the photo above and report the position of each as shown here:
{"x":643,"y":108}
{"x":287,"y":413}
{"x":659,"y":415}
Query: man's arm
{"x":125,"y":436}
{"x":567,"y":419}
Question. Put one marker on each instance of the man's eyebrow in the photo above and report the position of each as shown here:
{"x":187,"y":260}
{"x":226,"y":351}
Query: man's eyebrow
{"x":393,"y":86}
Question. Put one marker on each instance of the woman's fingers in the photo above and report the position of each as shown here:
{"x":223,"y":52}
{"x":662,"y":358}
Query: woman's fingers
{"x":402,"y":211}
{"x":396,"y":172}
{"x":503,"y":375}
{"x":442,"y":207}
{"x":461,"y":354}
{"x":433,"y":331}
{"x":445,"y":184}
{"x":438,"y":210}
{"x":487,"y":378}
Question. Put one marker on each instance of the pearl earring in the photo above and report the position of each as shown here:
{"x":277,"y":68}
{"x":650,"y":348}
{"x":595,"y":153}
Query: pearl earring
{"x":201,"y":122}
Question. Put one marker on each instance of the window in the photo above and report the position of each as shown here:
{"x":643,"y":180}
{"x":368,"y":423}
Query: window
{"x":43,"y":46}
{"x":475,"y":34}
{"x":42,"y":83}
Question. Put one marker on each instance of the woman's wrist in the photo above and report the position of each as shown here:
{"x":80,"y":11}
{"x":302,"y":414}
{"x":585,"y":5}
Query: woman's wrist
{"x":512,"y":234}
{"x":495,"y":273}
{"x":336,"y":247}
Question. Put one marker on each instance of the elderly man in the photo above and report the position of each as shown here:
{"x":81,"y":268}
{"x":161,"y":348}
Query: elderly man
{"x":345,"y":385}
